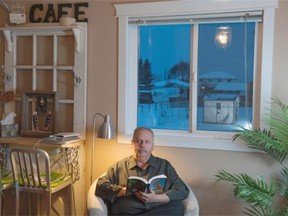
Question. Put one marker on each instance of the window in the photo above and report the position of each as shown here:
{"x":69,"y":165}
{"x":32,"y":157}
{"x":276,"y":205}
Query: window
{"x":194,"y":91}
{"x":164,"y":76}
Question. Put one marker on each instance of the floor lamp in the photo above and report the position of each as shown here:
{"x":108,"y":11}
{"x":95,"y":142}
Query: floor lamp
{"x":105,"y":131}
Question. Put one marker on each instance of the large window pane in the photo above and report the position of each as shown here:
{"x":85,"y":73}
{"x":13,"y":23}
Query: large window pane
{"x":163,"y":76}
{"x":225,"y":77}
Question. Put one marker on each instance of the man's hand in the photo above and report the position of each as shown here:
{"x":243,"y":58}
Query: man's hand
{"x":151,"y":197}
{"x":122,"y":192}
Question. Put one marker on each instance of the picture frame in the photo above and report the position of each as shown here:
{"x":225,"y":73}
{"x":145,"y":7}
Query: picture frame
{"x":38,"y":114}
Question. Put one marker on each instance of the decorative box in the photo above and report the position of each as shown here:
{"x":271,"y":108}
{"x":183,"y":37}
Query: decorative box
{"x":9,"y":130}
{"x":38,"y":114}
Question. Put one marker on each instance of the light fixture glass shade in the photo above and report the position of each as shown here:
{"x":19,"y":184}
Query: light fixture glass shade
{"x":106,"y":130}
{"x":223,"y":36}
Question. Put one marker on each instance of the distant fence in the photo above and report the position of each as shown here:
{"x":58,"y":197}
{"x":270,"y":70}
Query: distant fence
{"x":165,"y":109}
{"x":153,"y":107}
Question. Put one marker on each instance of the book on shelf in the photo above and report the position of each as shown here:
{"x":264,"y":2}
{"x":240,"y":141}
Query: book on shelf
{"x":136,"y":183}
{"x":63,"y":137}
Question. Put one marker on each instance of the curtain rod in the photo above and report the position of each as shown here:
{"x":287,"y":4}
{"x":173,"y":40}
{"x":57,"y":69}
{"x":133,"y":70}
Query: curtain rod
{"x":249,"y":16}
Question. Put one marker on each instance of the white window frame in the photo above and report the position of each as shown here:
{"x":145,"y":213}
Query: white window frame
{"x":127,"y":68}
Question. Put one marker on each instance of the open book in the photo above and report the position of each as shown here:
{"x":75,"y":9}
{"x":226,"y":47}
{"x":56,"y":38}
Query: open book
{"x":136,"y":183}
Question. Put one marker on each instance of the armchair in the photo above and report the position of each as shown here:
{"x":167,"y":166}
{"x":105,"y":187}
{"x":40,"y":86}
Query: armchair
{"x":97,"y":207}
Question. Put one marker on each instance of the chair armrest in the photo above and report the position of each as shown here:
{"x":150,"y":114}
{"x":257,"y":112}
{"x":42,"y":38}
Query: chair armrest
{"x":191,"y":205}
{"x":95,"y":205}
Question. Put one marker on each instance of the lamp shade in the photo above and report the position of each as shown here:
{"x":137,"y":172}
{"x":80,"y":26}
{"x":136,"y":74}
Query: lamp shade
{"x":106,"y":130}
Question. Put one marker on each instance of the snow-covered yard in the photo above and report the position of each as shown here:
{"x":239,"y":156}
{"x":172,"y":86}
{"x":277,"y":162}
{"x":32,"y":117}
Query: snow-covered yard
{"x":165,"y":116}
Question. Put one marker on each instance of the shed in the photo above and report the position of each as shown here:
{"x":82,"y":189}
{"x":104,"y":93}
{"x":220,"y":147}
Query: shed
{"x":221,"y":108}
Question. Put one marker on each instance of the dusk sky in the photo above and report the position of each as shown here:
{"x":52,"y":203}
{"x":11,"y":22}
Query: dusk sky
{"x":159,"y":45}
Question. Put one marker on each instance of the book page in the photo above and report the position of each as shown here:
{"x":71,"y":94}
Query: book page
{"x":135,"y":184}
{"x":157,"y":183}
{"x":158,"y":176}
{"x":139,"y":178}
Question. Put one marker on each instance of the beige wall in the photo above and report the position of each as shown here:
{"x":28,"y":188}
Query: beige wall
{"x":197,"y":167}
{"x":280,"y":69}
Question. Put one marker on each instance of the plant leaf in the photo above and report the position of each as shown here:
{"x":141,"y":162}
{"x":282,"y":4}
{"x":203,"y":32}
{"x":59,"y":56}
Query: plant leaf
{"x":282,"y":184}
{"x":263,"y":141}
{"x":255,"y":192}
{"x":253,"y":211}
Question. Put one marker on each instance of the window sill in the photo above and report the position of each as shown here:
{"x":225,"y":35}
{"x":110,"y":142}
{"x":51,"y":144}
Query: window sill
{"x":187,"y":140}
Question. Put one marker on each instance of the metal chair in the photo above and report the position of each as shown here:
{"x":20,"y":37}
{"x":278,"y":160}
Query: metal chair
{"x":32,"y":174}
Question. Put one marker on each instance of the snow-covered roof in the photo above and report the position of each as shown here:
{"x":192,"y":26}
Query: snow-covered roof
{"x":217,"y":75}
{"x":220,"y":97}
{"x":171,"y":81}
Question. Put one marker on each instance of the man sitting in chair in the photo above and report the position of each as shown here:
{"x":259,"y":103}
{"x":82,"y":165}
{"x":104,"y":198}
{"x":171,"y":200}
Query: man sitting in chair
{"x":112,"y":187}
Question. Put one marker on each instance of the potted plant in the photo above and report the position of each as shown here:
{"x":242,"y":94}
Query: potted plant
{"x":262,"y":196}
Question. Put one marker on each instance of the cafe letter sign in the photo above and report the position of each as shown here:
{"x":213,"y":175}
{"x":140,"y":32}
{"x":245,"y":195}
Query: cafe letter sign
{"x":53,"y":12}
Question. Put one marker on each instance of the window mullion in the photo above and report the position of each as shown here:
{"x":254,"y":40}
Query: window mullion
{"x":55,"y":61}
{"x":34,"y":63}
{"x":194,"y":77}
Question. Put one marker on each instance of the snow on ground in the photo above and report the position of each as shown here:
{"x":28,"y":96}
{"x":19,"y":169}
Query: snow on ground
{"x":163,"y":116}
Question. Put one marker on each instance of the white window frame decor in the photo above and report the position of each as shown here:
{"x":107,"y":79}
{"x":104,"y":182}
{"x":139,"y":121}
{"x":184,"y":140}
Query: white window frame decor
{"x":79,"y":66}
{"x":127,"y":66}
